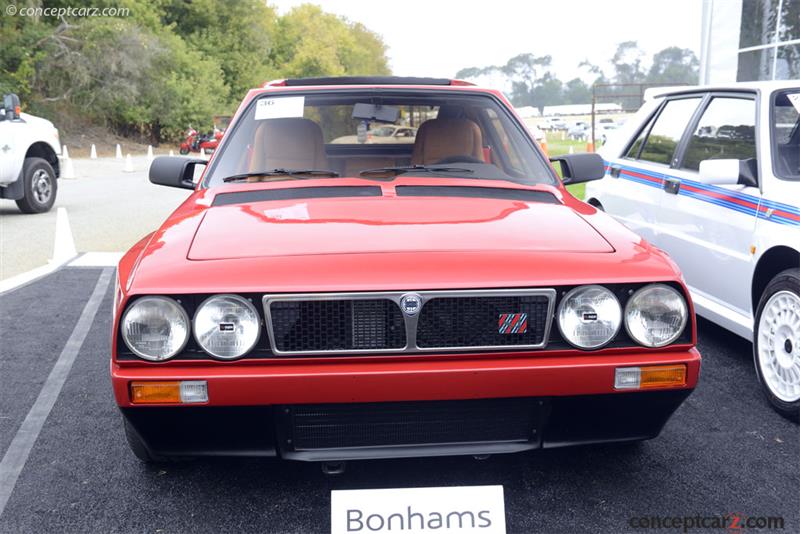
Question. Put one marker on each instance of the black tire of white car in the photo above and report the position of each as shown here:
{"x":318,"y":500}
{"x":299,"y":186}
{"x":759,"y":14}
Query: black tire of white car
{"x":787,"y":281}
{"x":39,"y":186}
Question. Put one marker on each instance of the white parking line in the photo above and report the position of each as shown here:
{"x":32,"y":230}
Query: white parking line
{"x":27,"y":277}
{"x":25,"y":438}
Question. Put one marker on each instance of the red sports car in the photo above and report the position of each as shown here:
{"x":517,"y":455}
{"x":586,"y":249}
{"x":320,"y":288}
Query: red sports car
{"x":321,"y":301}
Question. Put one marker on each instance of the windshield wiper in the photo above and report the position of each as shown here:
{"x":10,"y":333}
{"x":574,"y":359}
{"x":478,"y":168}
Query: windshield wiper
{"x":295,"y":173}
{"x":415,"y":168}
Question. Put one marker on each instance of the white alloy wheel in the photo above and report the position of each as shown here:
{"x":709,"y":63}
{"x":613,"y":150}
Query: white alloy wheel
{"x":779,"y":345}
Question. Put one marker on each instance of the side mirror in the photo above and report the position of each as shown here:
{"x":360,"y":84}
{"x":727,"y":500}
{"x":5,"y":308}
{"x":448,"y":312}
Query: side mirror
{"x":729,"y":172}
{"x":174,"y":171}
{"x":11,"y":107}
{"x":579,"y":168}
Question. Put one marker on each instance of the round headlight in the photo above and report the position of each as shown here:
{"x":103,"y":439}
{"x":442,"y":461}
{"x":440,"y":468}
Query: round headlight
{"x":226,"y":326}
{"x":656,"y":315}
{"x":589,"y":317}
{"x":155,"y":328}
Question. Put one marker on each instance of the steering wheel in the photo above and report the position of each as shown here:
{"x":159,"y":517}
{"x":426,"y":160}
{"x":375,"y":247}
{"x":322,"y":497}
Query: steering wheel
{"x":462,"y":158}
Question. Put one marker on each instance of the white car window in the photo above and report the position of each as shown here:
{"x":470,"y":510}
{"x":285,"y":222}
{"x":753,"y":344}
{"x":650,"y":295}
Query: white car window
{"x":666,"y":133}
{"x":633,"y":151}
{"x":786,"y":135}
{"x":727,"y":130}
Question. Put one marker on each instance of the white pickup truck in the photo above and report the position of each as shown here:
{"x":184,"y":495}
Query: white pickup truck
{"x":712,"y":176}
{"x":29,"y":149}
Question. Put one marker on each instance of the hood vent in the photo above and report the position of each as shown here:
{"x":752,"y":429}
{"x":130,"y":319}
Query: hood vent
{"x":525,"y":195}
{"x":293,"y":193}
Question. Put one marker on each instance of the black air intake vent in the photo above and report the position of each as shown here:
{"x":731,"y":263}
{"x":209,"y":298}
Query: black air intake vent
{"x":337,"y":426}
{"x":292,"y":193}
{"x":525,"y":195}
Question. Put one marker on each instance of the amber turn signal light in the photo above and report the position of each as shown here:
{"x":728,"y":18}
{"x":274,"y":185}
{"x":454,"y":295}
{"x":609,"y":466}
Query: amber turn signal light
{"x":190,"y":391}
{"x":155,"y":392}
{"x":653,"y":376}
{"x":663,"y":375}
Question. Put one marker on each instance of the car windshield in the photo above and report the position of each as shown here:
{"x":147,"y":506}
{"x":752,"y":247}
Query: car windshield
{"x":377,"y":135}
{"x":786,"y":134}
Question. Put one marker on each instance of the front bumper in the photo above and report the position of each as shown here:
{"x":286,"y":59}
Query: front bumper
{"x":402,"y":407}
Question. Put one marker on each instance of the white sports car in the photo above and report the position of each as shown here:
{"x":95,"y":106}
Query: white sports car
{"x":712,"y":176}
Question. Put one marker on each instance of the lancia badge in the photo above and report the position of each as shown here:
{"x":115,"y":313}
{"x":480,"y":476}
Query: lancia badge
{"x":410,"y":303}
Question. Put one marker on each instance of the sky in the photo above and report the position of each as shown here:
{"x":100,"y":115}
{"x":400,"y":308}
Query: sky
{"x":440,"y":37}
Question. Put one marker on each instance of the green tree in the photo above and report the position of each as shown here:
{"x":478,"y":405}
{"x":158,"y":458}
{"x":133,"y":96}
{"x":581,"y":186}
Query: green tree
{"x":532,"y":83}
{"x":238,"y":35}
{"x":674,"y":65}
{"x":121,"y":73}
{"x":310,"y":42}
{"x":577,"y":92}
{"x":21,"y":46}
{"x":548,"y":91}
{"x":171,"y":63}
{"x":627,"y":63}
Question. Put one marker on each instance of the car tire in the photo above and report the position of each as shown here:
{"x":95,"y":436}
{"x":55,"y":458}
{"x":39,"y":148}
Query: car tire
{"x":776,"y":343}
{"x":138,"y":446}
{"x":183,"y":151}
{"x":596,"y":203}
{"x":140,"y":449}
{"x":39,"y":186}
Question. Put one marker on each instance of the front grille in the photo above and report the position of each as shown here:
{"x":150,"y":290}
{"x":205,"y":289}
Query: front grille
{"x":474,"y":321}
{"x":338,"y":426}
{"x":376,"y":322}
{"x":337,"y":325}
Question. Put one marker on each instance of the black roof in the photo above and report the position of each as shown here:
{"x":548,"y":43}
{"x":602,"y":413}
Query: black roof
{"x":368,"y":80}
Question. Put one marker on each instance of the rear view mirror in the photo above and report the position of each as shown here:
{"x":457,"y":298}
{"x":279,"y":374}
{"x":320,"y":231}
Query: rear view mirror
{"x":11,"y":107}
{"x":174,"y":171}
{"x":376,"y":113}
{"x":729,"y":172}
{"x":579,"y":168}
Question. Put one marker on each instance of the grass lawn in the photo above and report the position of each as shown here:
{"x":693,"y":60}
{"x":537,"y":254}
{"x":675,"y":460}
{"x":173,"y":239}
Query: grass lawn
{"x":556,"y":146}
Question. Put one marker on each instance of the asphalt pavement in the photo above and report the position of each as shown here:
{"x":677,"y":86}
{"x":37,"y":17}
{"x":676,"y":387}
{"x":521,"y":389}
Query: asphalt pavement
{"x":723,"y":452}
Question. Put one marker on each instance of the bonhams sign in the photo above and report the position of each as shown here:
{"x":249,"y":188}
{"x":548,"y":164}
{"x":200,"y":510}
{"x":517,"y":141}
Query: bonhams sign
{"x":463,"y":510}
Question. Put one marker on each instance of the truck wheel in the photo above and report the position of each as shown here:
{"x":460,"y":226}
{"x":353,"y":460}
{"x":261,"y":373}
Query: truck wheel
{"x":776,"y":344}
{"x":39,"y":186}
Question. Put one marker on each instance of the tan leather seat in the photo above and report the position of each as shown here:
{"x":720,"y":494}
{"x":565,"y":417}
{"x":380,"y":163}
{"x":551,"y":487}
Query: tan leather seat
{"x":442,"y":138}
{"x":291,"y":143}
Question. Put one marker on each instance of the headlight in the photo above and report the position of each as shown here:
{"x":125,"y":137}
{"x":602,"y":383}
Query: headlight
{"x":155,"y":328}
{"x":589,"y":317}
{"x":226,"y":326}
{"x":656,"y":315}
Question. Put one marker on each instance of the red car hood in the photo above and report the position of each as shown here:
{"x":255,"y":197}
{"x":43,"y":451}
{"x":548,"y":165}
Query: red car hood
{"x":385,"y":243}
{"x":386,"y":224}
